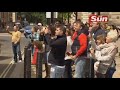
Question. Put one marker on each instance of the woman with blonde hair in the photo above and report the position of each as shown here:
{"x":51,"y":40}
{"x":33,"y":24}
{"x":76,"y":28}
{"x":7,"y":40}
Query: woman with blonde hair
{"x":106,"y":55}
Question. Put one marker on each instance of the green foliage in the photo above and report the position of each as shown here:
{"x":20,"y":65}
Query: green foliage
{"x":64,"y":15}
{"x":36,"y":17}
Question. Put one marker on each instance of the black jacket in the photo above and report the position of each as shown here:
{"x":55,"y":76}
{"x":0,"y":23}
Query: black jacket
{"x":58,"y":49}
{"x":47,"y":41}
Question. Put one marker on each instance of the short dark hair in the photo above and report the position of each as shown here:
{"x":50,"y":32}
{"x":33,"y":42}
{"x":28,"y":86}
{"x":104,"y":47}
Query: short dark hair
{"x":68,"y":31}
{"x":62,"y":28}
{"x":17,"y":27}
{"x":79,"y":22}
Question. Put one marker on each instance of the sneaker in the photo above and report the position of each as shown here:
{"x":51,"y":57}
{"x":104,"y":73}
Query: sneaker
{"x":20,"y":60}
{"x":13,"y":62}
{"x":47,"y":76}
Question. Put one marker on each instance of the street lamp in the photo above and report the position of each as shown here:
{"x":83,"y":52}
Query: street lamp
{"x":48,"y":16}
{"x":55,"y":16}
{"x":76,"y":14}
{"x":52,"y":17}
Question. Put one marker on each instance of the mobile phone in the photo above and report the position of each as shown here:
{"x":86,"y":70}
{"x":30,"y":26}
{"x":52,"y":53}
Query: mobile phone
{"x":68,"y":53}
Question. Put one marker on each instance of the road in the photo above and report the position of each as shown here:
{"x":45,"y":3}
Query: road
{"x":7,"y":69}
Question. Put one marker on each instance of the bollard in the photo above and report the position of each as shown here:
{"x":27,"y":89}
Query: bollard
{"x":39,"y":65}
{"x":28,"y":64}
{"x":25,"y":53}
{"x":91,"y":74}
{"x":87,"y":68}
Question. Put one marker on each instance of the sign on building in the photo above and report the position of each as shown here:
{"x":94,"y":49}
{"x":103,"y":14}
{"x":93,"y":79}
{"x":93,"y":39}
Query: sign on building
{"x":95,"y":18}
{"x":55,"y":14}
{"x":48,"y":14}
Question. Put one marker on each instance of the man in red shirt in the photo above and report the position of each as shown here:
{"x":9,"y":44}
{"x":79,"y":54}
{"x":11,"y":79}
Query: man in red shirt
{"x":79,"y":48}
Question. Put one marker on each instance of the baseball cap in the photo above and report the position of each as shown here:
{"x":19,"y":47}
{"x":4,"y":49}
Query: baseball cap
{"x":39,"y":24}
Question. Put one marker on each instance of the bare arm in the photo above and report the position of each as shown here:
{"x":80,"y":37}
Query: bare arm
{"x":7,"y":29}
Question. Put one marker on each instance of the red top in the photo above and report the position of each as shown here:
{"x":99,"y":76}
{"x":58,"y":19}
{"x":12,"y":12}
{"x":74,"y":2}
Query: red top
{"x":34,"y":61}
{"x":83,"y":42}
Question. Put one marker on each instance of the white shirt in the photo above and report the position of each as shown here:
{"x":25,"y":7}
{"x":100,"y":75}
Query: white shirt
{"x":69,"y":44}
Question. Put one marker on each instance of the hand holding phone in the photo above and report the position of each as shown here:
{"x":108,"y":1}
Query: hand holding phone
{"x":68,"y":53}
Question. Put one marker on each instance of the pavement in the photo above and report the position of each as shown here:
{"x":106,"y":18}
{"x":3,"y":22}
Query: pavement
{"x":33,"y":71}
{"x":15,"y":73}
{"x":7,"y":69}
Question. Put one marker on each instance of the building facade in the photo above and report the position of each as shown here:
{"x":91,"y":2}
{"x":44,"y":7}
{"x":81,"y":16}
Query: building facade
{"x":7,"y":18}
{"x":114,"y":17}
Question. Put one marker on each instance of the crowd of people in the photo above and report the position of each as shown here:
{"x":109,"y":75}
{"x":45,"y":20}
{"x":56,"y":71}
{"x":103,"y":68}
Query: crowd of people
{"x":65,"y":46}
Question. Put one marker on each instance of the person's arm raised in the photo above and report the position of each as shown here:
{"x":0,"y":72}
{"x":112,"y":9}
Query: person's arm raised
{"x":7,"y":29}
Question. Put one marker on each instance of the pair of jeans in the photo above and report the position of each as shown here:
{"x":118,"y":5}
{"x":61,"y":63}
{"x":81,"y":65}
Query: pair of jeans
{"x":110,"y":72}
{"x":57,"y":71}
{"x":16,"y":51}
{"x":80,"y":68}
{"x":47,"y":55}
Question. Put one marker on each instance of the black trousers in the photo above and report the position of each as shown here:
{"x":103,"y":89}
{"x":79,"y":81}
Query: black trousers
{"x":68,"y":68}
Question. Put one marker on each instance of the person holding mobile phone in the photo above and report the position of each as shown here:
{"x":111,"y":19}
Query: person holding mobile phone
{"x":16,"y":37}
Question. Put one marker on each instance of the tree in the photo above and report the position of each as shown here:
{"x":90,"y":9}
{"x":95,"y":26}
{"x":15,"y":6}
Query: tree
{"x":64,"y":15}
{"x":33,"y":17}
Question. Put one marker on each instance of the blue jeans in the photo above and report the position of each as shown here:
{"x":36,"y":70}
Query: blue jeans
{"x":80,"y":68}
{"x":110,"y":72}
{"x":16,"y":51}
{"x":56,"y":71}
{"x":48,"y":55}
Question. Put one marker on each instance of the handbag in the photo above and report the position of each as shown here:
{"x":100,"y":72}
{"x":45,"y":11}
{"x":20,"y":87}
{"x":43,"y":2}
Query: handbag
{"x":102,"y":68}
